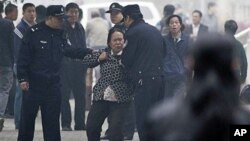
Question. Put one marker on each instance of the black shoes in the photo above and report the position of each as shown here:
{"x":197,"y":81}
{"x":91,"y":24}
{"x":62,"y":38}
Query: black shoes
{"x":1,"y":124}
{"x":66,"y":128}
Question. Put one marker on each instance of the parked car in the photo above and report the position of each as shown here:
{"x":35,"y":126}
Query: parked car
{"x":148,"y":9}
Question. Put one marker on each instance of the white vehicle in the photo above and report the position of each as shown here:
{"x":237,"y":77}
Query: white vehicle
{"x":148,"y":9}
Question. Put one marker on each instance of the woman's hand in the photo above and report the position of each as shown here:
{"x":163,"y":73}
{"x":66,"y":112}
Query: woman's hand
{"x":103,"y":56}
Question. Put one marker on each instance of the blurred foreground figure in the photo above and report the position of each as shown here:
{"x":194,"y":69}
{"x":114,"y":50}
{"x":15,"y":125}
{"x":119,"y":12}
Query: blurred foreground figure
{"x":212,"y":102}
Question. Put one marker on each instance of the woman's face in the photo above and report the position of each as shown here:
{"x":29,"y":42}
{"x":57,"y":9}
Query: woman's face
{"x":117,"y":41}
{"x":175,"y":25}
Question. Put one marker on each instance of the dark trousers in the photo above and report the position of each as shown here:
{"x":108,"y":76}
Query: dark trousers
{"x":148,"y":92}
{"x":73,"y":78}
{"x":129,"y":122}
{"x":49,"y":104}
{"x":97,"y":114}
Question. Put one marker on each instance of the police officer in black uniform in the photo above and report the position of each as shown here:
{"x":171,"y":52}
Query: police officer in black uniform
{"x":143,"y":58}
{"x":38,"y":68}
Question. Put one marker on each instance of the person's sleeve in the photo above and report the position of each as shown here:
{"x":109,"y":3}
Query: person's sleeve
{"x":76,"y":53}
{"x":129,"y":52}
{"x":24,"y":58}
{"x":91,"y":60}
{"x":83,"y":36}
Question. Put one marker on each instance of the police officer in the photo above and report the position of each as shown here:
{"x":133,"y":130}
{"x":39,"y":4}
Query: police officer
{"x":38,"y":68}
{"x":143,"y":58}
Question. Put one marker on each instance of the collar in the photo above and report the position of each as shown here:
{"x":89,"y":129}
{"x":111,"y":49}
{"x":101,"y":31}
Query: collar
{"x":28,"y":22}
{"x":119,"y":53}
{"x":178,"y":37}
{"x":196,"y":26}
{"x":136,"y":22}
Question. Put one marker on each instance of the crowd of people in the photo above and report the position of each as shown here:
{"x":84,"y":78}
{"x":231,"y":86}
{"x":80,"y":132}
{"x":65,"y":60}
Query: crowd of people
{"x":159,"y":79}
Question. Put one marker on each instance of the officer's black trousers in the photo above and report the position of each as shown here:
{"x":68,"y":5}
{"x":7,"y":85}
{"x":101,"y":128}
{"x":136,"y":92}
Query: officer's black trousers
{"x":73,"y":78}
{"x":148,"y":92}
{"x":49,"y":104}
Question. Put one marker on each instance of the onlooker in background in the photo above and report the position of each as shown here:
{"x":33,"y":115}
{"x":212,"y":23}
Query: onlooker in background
{"x":212,"y":103}
{"x":161,"y":25}
{"x":103,"y":12}
{"x":116,"y":17}
{"x":6,"y":63}
{"x":97,"y":31}
{"x":196,"y":29}
{"x":210,"y":19}
{"x":28,"y":20}
{"x":40,"y":13}
{"x":143,"y":57}
{"x":11,"y":14}
{"x":231,"y":27}
{"x":73,"y":74}
{"x":177,"y":46}
{"x":112,"y":93}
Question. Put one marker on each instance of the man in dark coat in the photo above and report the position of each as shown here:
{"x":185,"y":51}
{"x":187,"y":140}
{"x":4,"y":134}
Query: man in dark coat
{"x":230,"y":30}
{"x":142,"y":57}
{"x":6,"y":63}
{"x":73,"y":74}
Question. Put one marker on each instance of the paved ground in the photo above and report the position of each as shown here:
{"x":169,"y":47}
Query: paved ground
{"x":10,"y":134}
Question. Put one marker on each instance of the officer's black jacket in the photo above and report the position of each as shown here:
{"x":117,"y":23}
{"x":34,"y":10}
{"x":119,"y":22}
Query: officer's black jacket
{"x":143,"y":54}
{"x":40,"y":55}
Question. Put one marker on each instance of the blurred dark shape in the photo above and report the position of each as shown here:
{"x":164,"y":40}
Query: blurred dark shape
{"x":212,"y":102}
{"x":1,"y":7}
{"x":40,"y":13}
{"x":245,"y":94}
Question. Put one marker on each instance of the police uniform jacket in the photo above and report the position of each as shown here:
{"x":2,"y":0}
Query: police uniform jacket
{"x":143,"y":54}
{"x":19,"y":32}
{"x":113,"y":75}
{"x":40,"y":56}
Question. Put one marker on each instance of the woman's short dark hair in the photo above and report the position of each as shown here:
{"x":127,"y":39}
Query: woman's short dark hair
{"x":179,"y":18}
{"x":111,"y":31}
